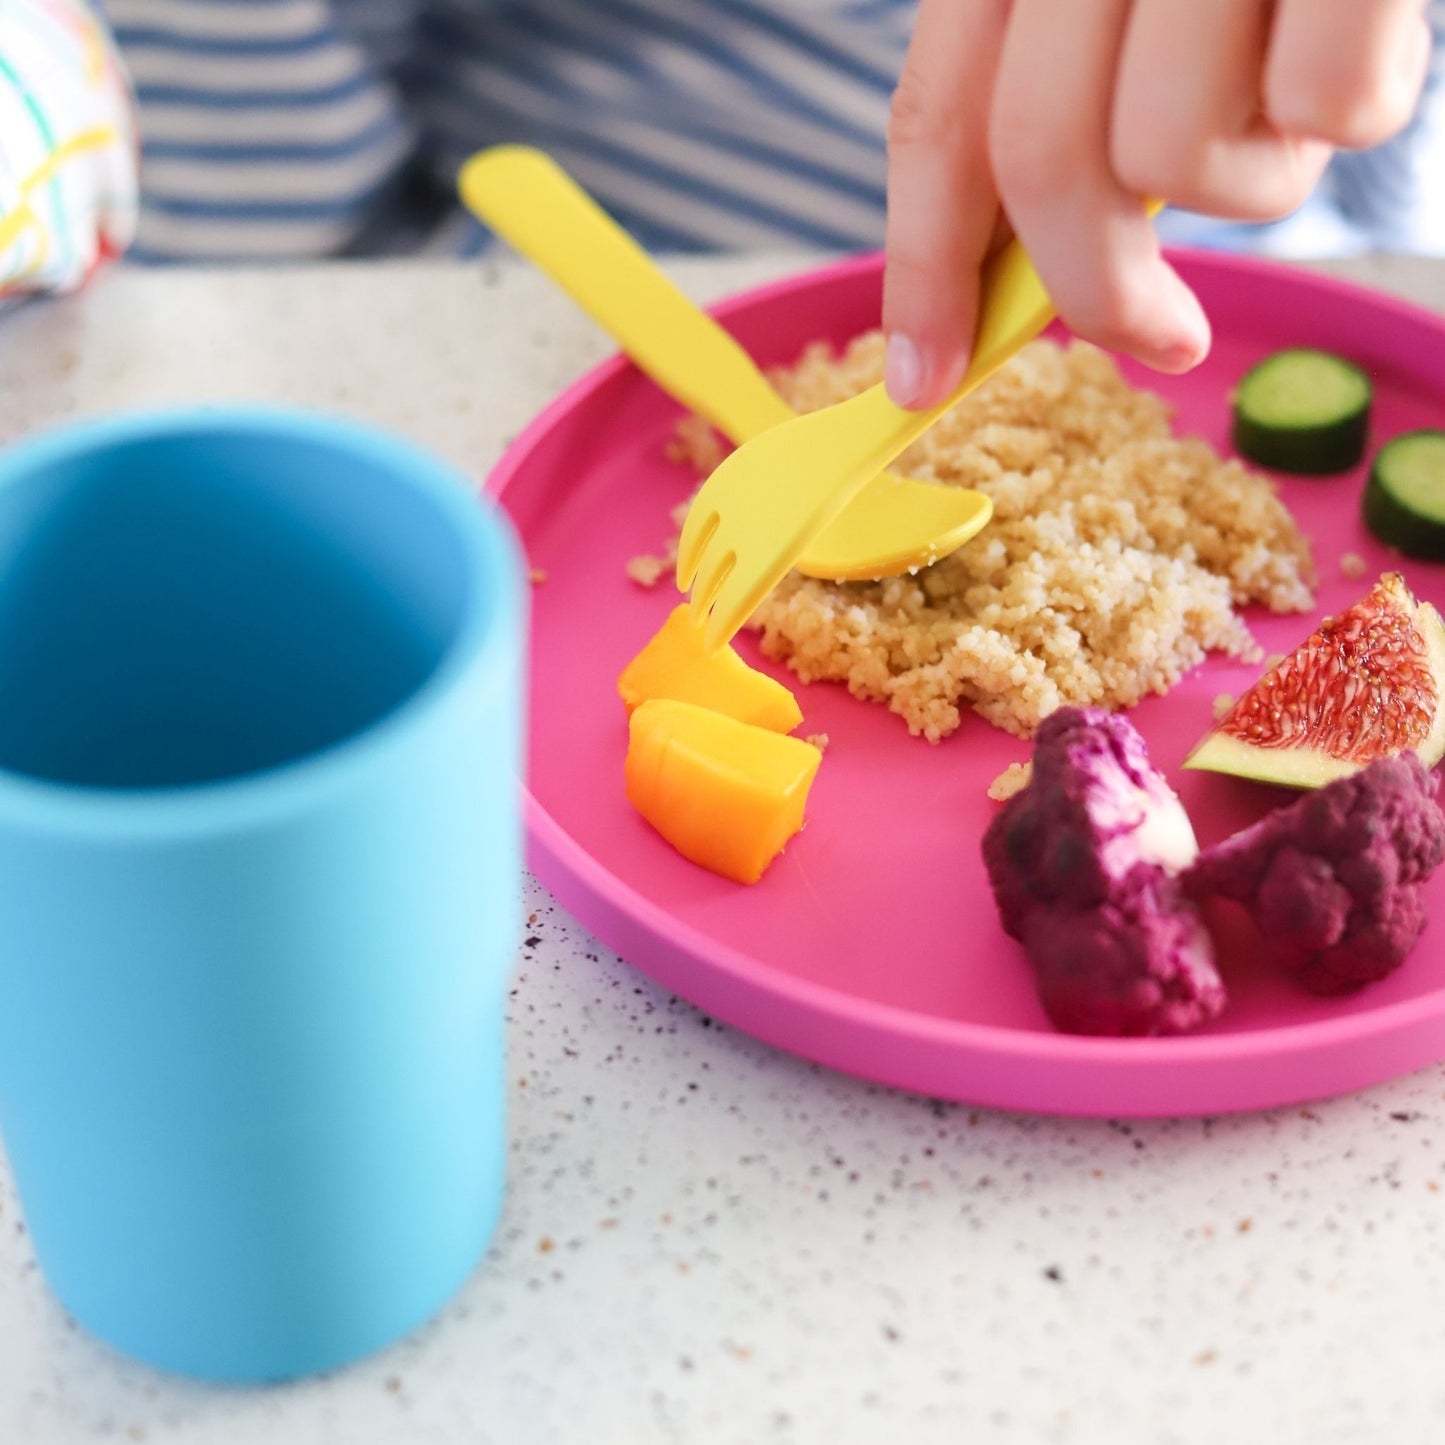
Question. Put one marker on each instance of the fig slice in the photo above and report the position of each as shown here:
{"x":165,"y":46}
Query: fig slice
{"x":1366,"y":684}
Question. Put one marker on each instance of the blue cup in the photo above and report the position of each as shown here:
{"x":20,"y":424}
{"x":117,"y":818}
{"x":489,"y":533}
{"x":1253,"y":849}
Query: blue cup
{"x":260,"y":879}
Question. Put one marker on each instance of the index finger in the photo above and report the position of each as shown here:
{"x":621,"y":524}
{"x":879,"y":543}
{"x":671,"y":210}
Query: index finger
{"x":942,"y":207}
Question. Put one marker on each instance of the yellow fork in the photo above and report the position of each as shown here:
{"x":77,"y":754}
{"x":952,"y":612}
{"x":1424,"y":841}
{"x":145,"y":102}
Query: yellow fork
{"x":890,"y":525}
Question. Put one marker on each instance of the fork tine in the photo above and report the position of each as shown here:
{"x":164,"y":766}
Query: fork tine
{"x":707,"y":586}
{"x":735,"y":600}
{"x":698,"y":528}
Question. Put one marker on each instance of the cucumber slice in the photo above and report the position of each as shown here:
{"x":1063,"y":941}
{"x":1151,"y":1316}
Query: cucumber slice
{"x":1304,"y":411}
{"x":1405,"y":496}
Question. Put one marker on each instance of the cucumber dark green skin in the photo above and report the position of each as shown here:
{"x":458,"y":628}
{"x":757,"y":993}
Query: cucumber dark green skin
{"x":1333,"y":443}
{"x":1306,"y":451}
{"x":1395,"y":523}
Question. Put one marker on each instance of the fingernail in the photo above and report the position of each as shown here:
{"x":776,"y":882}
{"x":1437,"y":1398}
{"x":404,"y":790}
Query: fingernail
{"x":1176,"y":359}
{"x":903,"y":370}
{"x":1183,"y":354}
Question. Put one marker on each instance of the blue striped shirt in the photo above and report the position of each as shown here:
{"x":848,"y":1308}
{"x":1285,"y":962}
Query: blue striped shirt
{"x":284,"y":128}
{"x":298,"y":127}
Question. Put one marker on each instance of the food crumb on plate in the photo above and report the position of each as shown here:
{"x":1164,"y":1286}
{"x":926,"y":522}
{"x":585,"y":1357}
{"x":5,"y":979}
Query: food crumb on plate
{"x":696,"y":441}
{"x":1222,"y":705}
{"x":1013,"y":779}
{"x":1115,"y":562}
{"x":1353,"y":565}
{"x":537,"y":576}
{"x":818,"y":740}
{"x":646,"y":571}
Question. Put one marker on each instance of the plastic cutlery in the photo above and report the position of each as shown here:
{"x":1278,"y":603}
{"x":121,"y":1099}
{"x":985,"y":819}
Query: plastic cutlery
{"x":888,"y":525}
{"x":744,"y":532}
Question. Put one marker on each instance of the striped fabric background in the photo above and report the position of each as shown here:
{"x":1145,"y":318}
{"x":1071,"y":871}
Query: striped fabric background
{"x":301,"y":127}
{"x":268,"y":131}
{"x":278,"y":128}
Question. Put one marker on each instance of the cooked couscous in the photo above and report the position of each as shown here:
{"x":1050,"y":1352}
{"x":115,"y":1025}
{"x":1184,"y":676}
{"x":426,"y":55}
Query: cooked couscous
{"x":1114,"y":562}
{"x":1014,"y":779}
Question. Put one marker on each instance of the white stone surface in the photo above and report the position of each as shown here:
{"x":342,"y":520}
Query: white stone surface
{"x":707,"y":1240}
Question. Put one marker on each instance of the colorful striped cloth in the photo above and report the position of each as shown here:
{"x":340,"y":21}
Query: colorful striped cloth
{"x":295,"y":128}
{"x":67,"y":147}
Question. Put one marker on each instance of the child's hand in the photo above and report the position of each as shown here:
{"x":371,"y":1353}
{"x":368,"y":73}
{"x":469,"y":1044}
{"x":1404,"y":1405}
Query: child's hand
{"x":1054,"y":117}
{"x":68,"y":182}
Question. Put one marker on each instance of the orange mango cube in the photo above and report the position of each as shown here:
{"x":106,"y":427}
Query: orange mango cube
{"x":726,"y":794}
{"x":673,"y":665}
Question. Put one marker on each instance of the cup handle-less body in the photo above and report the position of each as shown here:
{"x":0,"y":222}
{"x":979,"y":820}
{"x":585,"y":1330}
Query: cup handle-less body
{"x":252,"y":1077}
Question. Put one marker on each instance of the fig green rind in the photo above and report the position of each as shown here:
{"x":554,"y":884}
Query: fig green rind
{"x":1306,"y":767}
{"x":1289,"y":767}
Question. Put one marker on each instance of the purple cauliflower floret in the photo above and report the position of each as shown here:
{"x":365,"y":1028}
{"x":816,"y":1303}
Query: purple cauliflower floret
{"x":1334,"y":881}
{"x":1084,"y":865}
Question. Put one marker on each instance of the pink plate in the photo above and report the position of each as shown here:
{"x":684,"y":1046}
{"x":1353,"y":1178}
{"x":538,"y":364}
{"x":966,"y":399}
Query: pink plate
{"x":872,"y":944}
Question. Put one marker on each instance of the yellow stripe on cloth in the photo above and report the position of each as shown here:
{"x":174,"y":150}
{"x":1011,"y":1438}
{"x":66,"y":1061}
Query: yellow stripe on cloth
{"x":14,"y":223}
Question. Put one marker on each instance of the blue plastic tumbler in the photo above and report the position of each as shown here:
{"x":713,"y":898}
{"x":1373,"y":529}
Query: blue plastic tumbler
{"x":261,"y":690}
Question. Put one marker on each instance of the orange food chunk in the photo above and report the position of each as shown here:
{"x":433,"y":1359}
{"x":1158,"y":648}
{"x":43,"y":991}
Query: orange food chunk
{"x":673,"y":665}
{"x":725,"y":794}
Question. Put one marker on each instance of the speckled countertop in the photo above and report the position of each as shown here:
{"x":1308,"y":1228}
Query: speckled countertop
{"x":707,"y":1240}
